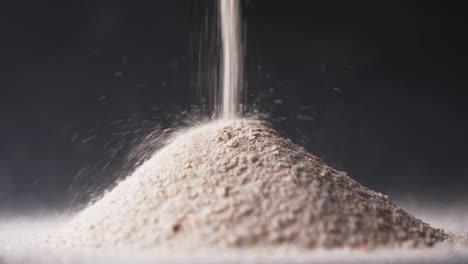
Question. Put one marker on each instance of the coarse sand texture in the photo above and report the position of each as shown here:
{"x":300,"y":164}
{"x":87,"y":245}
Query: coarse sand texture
{"x":238,"y":184}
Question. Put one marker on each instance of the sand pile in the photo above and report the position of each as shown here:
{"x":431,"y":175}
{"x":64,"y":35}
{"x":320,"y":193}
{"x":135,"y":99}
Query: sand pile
{"x":239,"y":184}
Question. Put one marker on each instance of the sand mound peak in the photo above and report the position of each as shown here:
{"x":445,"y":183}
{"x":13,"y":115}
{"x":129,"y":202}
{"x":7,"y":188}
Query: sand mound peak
{"x":239,"y":184}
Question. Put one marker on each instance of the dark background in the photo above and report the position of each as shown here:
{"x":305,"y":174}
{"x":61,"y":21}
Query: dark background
{"x":376,"y":90}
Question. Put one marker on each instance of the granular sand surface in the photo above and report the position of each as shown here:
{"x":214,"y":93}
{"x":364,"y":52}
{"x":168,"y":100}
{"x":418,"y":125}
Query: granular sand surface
{"x":238,"y":184}
{"x":18,"y":231}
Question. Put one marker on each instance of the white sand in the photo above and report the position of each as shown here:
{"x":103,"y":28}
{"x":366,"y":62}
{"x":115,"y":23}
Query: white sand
{"x":254,"y":145}
{"x":16,"y":234}
{"x":237,"y":184}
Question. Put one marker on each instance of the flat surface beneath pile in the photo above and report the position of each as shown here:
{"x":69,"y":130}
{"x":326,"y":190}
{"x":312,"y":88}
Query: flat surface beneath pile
{"x":17,"y":233}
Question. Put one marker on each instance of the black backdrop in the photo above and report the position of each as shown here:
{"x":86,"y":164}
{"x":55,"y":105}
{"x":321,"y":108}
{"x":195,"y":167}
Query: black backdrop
{"x":376,"y":90}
